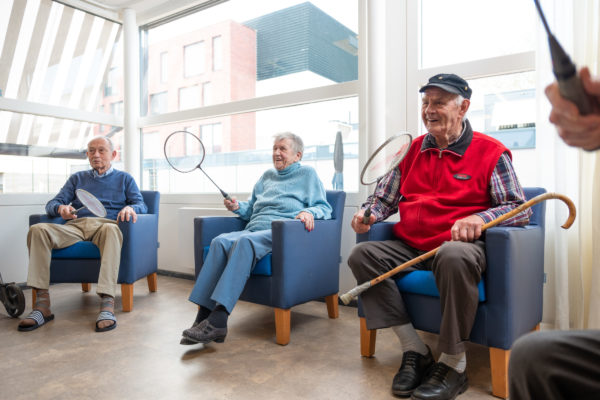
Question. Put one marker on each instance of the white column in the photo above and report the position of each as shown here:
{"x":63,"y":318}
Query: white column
{"x":131,"y":102}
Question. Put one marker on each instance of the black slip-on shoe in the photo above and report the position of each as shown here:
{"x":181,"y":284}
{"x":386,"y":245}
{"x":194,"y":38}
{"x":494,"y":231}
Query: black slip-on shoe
{"x":204,"y":332}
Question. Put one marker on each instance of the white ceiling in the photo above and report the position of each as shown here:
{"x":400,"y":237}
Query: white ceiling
{"x":146,"y":10}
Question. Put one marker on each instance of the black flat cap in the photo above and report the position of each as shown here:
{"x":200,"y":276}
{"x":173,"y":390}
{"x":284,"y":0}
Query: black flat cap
{"x":450,"y":83}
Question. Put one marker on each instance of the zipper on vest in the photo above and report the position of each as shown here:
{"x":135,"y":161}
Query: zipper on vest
{"x":440,"y":154}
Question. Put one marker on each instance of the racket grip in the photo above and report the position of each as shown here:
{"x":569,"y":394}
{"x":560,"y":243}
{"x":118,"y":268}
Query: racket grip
{"x":366,"y":216}
{"x":227,"y":196}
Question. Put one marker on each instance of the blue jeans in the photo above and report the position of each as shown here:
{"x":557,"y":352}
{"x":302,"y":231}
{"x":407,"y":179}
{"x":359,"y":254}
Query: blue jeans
{"x":227,"y":267}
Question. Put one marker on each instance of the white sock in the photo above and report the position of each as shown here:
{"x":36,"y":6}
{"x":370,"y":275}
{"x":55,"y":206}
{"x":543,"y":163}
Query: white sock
{"x":409,"y":339}
{"x":455,"y":361}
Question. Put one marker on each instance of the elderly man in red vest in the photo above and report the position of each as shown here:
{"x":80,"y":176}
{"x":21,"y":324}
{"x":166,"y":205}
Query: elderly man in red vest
{"x":452,"y":181}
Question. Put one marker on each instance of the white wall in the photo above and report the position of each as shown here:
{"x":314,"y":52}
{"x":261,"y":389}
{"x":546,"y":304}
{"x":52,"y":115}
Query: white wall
{"x":14,"y":214}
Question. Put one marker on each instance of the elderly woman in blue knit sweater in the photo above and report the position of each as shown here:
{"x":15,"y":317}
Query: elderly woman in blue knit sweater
{"x":288,"y":191}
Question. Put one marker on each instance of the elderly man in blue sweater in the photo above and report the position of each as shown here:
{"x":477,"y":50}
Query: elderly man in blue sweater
{"x":121,"y":198}
{"x":289,"y":191}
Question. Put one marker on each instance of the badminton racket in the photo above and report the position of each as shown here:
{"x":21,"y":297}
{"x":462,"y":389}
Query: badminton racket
{"x":90,"y":202}
{"x":185,"y":152}
{"x":383,"y":160}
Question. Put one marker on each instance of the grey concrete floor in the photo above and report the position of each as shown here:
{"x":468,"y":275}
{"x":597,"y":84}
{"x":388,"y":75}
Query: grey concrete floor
{"x":142,"y":357}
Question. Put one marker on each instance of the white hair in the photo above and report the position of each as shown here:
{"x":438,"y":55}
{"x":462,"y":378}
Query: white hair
{"x":296,"y":140}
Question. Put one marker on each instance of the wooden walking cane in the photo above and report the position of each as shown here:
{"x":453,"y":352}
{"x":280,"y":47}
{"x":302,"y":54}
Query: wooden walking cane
{"x":353,"y":293}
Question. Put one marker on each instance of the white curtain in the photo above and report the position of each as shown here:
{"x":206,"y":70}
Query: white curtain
{"x":572,"y":262}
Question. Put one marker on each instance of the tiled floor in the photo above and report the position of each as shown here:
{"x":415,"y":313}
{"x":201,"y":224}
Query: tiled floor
{"x":142,"y":358}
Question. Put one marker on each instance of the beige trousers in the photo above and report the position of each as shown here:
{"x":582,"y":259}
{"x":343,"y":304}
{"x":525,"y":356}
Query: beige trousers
{"x":104,"y":233}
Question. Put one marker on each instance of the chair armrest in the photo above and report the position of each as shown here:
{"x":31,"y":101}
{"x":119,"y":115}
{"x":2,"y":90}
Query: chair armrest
{"x":207,"y":228}
{"x":40,"y":218}
{"x":306,"y":263}
{"x":140,"y":246}
{"x":379,"y":231}
{"x":515,"y":278}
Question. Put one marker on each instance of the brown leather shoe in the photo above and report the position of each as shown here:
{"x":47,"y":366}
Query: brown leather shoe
{"x":413,"y":369}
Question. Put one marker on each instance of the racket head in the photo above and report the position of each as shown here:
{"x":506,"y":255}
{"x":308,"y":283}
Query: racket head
{"x":184,"y":151}
{"x":386,"y":157}
{"x":91,"y":202}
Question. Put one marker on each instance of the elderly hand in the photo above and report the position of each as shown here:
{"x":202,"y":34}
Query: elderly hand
{"x":65,"y":212}
{"x":576,"y":129}
{"x":467,"y":229}
{"x":231,"y":205}
{"x":127,"y":213}
{"x":308,"y":219}
{"x":357,"y":222}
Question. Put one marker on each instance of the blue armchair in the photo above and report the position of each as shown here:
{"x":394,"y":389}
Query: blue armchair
{"x":510,"y":297}
{"x":80,"y":263}
{"x":303,"y":266}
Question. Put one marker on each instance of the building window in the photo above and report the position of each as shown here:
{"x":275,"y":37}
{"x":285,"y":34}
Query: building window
{"x":189,"y":97}
{"x":164,"y":67}
{"x":116,"y":108}
{"x":211,"y":135}
{"x":158,"y":103}
{"x":193,"y":59}
{"x":217,"y":53}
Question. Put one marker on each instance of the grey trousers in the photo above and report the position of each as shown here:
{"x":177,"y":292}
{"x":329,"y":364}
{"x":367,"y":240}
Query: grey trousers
{"x":457,"y":267}
{"x":555,"y":365}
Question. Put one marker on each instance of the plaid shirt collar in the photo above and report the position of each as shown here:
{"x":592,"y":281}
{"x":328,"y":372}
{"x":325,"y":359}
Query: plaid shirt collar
{"x":458,"y":147}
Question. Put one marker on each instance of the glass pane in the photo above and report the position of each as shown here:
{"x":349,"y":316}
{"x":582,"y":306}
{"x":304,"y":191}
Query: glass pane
{"x":248,"y":49}
{"x":31,"y":167}
{"x":504,"y":108}
{"x":458,"y":31}
{"x":239,"y":147}
{"x":55,"y":54}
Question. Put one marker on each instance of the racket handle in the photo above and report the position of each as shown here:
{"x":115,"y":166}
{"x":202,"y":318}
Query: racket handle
{"x":367,"y":216}
{"x":227,"y":196}
{"x":74,"y":212}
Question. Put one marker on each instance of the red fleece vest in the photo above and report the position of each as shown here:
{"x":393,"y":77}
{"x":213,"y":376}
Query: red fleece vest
{"x":440,"y":187}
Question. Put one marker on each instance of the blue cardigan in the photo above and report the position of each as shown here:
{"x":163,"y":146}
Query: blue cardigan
{"x":284,"y":194}
{"x":115,"y":190}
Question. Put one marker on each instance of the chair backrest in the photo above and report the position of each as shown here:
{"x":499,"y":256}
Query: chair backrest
{"x":336,"y":198}
{"x":152,"y":200}
{"x":539,"y":210}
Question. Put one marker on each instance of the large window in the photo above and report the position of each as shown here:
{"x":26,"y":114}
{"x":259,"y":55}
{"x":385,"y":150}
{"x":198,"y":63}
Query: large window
{"x":263,"y":67}
{"x":59,"y":80}
{"x":498,"y":62}
{"x":458,"y":31}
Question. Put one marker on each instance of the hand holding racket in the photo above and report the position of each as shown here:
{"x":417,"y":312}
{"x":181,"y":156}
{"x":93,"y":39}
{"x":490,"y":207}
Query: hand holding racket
{"x":185,"y":152}
{"x":385,"y":158}
{"x":90,"y":202}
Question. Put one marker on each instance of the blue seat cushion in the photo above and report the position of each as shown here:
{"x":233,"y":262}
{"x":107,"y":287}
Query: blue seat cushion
{"x":262,"y":267}
{"x":78,"y":250}
{"x":423,"y":282}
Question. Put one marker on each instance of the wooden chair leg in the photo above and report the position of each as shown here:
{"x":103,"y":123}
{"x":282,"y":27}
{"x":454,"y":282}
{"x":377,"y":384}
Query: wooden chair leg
{"x":499,"y":368}
{"x":127,"y":296}
{"x":332,"y":306}
{"x":282,"y":326}
{"x":367,"y":339}
{"x":152,"y":282}
{"x":86,"y":287}
{"x":537,"y":328}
